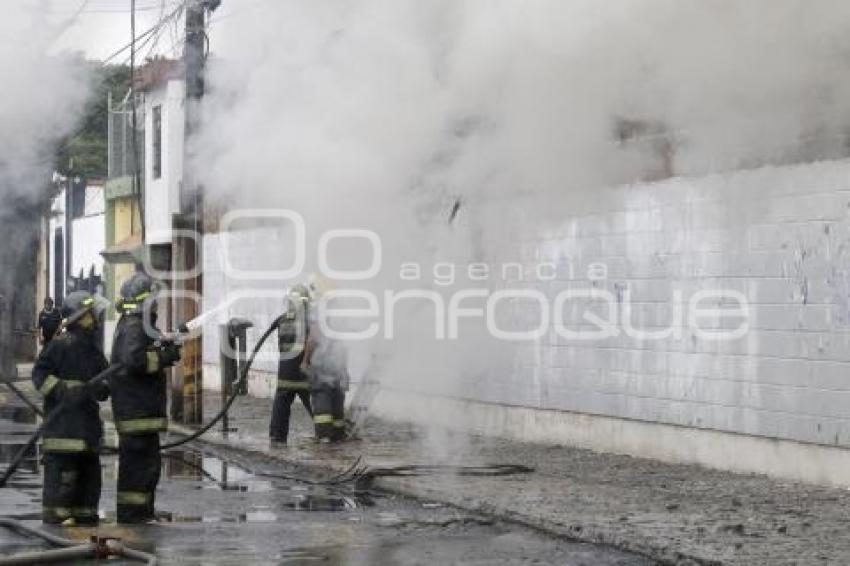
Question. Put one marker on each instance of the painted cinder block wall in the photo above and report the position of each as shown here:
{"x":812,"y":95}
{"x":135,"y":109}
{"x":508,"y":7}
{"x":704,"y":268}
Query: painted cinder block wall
{"x":776,"y":401}
{"x":778,"y":236}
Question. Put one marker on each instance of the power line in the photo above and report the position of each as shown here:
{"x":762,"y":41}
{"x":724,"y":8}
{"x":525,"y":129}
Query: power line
{"x":244,"y":7}
{"x":146,"y":33}
{"x":158,"y":34}
{"x":65,"y":25}
{"x":153,"y":37}
{"x":148,"y":8}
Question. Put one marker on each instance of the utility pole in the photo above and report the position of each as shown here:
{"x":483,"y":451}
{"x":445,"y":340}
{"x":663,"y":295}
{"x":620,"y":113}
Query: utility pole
{"x":187,"y":382}
{"x":69,"y":234}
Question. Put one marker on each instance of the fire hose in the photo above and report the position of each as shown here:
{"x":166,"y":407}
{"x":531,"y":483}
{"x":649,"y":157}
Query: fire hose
{"x":243,"y":377}
{"x":51,"y":417}
{"x":356,"y":474}
{"x":14,"y":389}
{"x":97,"y":547}
{"x":100,"y":549}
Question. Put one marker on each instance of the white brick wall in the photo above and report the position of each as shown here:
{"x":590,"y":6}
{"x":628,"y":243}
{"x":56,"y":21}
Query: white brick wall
{"x":779,"y":235}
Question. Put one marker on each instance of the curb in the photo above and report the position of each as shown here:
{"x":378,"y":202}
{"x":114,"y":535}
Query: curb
{"x":407,"y":488}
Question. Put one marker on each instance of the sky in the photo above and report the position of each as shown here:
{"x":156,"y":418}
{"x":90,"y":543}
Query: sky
{"x":103,"y":26}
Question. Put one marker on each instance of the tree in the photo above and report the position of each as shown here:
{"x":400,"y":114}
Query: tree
{"x":84,"y":153}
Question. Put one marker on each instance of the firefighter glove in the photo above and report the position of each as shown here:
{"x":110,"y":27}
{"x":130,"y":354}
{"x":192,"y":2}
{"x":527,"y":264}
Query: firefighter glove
{"x":169,"y":354}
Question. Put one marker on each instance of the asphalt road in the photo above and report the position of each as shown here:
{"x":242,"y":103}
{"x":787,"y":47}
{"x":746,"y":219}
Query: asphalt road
{"x":217,"y":511}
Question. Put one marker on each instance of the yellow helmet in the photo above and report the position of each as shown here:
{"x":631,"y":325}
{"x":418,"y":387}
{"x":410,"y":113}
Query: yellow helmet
{"x":319,"y":285}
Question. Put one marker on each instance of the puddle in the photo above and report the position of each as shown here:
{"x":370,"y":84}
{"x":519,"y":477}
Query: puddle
{"x":214,"y":472}
{"x":314,"y":502}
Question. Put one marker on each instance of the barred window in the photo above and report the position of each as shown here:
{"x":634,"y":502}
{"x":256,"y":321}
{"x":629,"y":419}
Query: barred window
{"x":157,"y":141}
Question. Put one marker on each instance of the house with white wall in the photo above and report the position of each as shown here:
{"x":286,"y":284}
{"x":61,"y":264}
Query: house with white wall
{"x":86,"y":234}
{"x":148,"y":208}
{"x":163,"y":90}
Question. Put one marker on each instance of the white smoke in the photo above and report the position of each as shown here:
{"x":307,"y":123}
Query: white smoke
{"x":386,"y":98}
{"x":383,"y":113}
{"x":43,"y":96}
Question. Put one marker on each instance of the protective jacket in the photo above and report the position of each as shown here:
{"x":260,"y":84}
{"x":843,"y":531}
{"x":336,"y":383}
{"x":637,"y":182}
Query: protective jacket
{"x":48,"y":323}
{"x":328,"y":364}
{"x":292,"y":337}
{"x":66,"y":363}
{"x":139,"y":390}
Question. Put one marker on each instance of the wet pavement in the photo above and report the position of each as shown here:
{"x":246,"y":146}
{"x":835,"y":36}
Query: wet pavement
{"x":226,"y":507}
{"x":677,"y":514}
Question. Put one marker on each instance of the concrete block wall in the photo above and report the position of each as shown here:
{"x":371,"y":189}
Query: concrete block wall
{"x":778,"y":235}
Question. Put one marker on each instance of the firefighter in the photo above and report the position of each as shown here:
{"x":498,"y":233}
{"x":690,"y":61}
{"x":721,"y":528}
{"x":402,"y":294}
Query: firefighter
{"x":329,"y":381}
{"x":71,"y":444}
{"x":291,"y":381}
{"x":139,"y":397}
{"x":327,"y":369}
{"x":49,"y":320}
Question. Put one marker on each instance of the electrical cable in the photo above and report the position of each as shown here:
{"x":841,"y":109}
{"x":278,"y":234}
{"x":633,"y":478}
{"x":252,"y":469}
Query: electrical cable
{"x":413,"y":470}
{"x":351,"y":474}
{"x":193,"y":465}
{"x":84,"y":10}
{"x":153,"y":29}
{"x":156,"y":36}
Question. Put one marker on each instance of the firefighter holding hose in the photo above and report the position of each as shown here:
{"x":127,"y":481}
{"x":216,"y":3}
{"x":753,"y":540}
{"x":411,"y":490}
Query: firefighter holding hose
{"x":292,"y":382}
{"x":139,"y":397}
{"x":72,"y":479}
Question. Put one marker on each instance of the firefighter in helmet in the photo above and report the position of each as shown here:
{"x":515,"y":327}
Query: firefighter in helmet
{"x":326,"y":366}
{"x":72,"y":479}
{"x":139,"y":397}
{"x":292,"y":336}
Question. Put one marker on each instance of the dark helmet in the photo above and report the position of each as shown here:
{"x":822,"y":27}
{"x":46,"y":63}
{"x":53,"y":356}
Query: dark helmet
{"x":78,"y":303}
{"x":138,"y":293}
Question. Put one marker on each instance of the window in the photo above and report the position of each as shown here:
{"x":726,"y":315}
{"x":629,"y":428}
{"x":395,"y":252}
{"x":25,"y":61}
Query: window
{"x":157,"y":141}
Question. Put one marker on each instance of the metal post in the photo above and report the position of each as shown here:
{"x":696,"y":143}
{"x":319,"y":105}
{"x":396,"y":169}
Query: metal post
{"x":240,"y":328}
{"x":187,"y":388}
{"x":228,"y":370}
{"x":69,"y":222}
{"x":233,"y":339}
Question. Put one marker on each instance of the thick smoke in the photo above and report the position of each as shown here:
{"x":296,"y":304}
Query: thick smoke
{"x":391,"y":101}
{"x":43,"y":95}
{"x":383,"y":114}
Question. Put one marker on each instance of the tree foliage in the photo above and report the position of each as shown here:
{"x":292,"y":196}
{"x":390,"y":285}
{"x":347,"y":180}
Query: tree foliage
{"x":84,"y":153}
